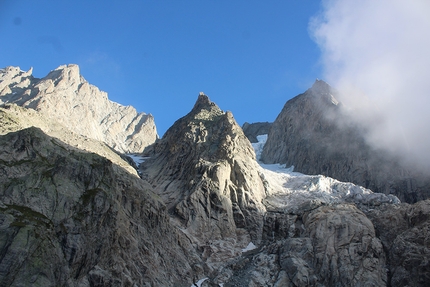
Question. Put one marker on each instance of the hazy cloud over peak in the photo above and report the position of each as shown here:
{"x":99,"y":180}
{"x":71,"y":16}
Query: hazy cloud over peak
{"x":377,"y":53}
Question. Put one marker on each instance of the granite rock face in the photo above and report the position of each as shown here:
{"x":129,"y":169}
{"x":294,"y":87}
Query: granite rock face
{"x":405,"y":231}
{"x":64,"y":95}
{"x":328,"y":246}
{"x":313,"y":134}
{"x":73,"y":218}
{"x":14,"y":118}
{"x":204,"y":169}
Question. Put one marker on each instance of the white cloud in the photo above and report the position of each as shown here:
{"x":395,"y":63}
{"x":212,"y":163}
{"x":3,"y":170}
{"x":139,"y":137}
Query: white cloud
{"x":377,"y":53}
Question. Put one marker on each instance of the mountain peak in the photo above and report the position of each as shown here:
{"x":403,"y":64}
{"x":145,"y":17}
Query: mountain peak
{"x":321,"y":87}
{"x":64,"y":95}
{"x":204,"y":103}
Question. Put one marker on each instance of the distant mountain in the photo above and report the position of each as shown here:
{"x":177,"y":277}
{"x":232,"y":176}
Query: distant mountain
{"x":67,"y":97}
{"x":313,"y":134}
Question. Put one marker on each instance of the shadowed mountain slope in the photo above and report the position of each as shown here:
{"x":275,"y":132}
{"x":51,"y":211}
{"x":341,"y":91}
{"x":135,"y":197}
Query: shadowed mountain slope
{"x":313,"y":134}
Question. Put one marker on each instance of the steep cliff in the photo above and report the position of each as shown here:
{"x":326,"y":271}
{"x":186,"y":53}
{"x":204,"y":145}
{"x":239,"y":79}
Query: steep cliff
{"x":313,"y":133}
{"x":64,"y":95}
{"x":206,"y":172}
{"x":14,"y":118}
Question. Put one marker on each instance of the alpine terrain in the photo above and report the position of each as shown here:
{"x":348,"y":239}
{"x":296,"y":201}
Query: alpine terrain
{"x":65,"y":96}
{"x":202,"y":206}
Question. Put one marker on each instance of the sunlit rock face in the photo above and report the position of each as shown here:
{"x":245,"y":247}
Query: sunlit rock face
{"x":314,"y":133}
{"x":64,"y":95}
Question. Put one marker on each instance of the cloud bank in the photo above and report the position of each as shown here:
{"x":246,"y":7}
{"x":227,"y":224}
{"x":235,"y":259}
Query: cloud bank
{"x":377,"y":54}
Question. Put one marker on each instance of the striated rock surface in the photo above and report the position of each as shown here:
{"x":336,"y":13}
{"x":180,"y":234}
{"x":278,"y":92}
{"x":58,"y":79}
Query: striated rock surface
{"x":64,"y":95}
{"x":14,"y":118}
{"x":255,"y":129}
{"x":313,"y":134}
{"x":313,"y":235}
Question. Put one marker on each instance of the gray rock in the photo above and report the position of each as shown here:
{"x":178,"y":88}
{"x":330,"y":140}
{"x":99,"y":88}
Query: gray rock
{"x":73,"y":212}
{"x":64,"y":95}
{"x":313,"y":134}
{"x":14,"y":118}
{"x":328,"y":246}
{"x":405,"y":231}
{"x":205,"y":171}
{"x":253,"y":130}
{"x":73,"y":218}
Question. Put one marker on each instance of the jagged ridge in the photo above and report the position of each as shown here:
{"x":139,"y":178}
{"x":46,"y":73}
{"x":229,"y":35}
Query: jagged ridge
{"x":67,"y":97}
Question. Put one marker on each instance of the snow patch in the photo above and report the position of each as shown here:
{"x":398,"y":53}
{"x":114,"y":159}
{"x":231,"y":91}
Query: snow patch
{"x":333,"y":100}
{"x":258,"y":147}
{"x":250,"y":247}
{"x":200,"y":282}
{"x":138,"y":159}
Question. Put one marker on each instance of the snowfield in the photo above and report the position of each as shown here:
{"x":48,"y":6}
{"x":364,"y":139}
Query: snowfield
{"x":138,"y":159}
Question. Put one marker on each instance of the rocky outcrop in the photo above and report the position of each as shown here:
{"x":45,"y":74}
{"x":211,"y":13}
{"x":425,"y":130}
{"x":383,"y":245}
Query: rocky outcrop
{"x":328,"y":246}
{"x":65,"y":96}
{"x":73,"y":218}
{"x":405,"y":231}
{"x":253,"y":130}
{"x":313,"y":134}
{"x":204,"y":169}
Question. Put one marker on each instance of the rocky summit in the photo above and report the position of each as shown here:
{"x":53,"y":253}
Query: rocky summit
{"x":200,"y":210}
{"x":67,"y":97}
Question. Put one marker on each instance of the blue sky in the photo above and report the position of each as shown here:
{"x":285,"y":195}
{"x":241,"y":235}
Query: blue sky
{"x":249,"y":57}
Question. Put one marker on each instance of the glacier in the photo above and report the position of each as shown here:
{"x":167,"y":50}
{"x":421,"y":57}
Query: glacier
{"x":294,"y":192}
